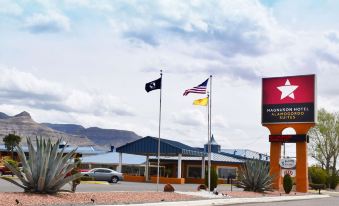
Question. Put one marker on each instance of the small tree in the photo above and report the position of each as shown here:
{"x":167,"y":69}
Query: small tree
{"x":324,"y":141}
{"x":214,"y":179}
{"x":11,"y":141}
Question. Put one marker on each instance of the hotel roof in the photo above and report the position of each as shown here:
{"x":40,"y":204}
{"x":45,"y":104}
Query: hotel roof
{"x":113,"y":158}
{"x":84,"y":150}
{"x":149,"y":146}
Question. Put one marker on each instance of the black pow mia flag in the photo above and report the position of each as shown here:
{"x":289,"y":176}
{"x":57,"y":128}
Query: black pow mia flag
{"x":156,"y":84}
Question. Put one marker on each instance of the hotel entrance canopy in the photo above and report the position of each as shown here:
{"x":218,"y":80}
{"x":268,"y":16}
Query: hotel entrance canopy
{"x":148,"y":146}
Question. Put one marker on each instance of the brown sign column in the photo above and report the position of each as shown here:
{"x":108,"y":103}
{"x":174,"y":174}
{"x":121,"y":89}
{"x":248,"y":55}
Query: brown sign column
{"x":275,"y":169}
{"x":302,"y":166}
{"x":301,"y":150}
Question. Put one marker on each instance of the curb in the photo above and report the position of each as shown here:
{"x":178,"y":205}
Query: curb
{"x":10,"y":177}
{"x":229,"y":201}
{"x":95,"y":182}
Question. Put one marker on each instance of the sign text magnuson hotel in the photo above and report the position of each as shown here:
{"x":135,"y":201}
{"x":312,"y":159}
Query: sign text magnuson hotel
{"x":288,"y":99}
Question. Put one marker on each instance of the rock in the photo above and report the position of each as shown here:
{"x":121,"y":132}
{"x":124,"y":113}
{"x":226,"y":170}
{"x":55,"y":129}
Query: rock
{"x":168,"y":188}
{"x":202,"y":187}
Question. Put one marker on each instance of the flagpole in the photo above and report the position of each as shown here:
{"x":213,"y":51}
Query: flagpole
{"x":209,"y":135}
{"x":208,"y":140}
{"x":158,"y":168}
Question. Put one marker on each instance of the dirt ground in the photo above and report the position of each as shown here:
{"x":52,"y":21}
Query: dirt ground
{"x":88,"y":198}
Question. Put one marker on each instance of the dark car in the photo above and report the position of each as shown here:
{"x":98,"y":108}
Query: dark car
{"x":104,"y":174}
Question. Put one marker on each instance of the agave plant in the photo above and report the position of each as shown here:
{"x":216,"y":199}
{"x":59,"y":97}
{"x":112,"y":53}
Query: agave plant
{"x":255,"y":176}
{"x":46,"y":170}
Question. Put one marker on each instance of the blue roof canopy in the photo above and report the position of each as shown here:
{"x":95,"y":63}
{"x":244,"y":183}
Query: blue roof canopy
{"x":149,"y":146}
{"x":84,"y":150}
{"x":113,"y":158}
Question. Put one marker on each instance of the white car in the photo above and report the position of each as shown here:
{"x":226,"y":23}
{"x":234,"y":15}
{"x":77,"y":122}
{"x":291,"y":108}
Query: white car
{"x":104,"y":174}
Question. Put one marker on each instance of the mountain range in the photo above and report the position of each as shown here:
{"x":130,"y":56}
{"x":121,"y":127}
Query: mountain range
{"x":23,"y":125}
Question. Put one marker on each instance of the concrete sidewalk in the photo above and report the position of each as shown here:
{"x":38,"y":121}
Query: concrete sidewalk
{"x":230,"y":201}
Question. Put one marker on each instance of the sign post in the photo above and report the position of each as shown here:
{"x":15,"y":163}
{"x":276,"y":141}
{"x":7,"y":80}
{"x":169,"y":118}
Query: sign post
{"x":289,"y":102}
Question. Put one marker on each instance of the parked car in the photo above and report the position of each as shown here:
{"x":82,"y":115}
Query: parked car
{"x":104,"y":174}
{"x":5,"y":171}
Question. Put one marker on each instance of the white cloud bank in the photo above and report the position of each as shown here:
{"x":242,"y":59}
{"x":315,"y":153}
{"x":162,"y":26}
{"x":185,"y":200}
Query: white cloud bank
{"x":237,"y":41}
{"x":49,"y":22}
{"x":22,"y":88}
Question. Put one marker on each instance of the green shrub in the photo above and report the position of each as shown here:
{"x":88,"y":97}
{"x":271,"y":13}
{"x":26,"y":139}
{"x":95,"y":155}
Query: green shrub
{"x":287,"y":183}
{"x":317,"y":175}
{"x":317,"y":186}
{"x":333,"y":181}
{"x":168,"y":172}
{"x":255,"y":176}
{"x":214,"y":179}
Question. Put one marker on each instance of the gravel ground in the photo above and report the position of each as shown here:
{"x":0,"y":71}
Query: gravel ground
{"x":87,"y":198}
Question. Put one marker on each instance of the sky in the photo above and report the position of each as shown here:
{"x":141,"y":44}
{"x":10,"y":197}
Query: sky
{"x":87,"y":61}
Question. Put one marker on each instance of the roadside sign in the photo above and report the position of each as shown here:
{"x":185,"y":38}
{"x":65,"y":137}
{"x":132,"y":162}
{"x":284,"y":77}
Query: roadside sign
{"x":289,"y":99}
{"x":290,"y":172}
{"x":287,"y":163}
{"x":289,"y":138}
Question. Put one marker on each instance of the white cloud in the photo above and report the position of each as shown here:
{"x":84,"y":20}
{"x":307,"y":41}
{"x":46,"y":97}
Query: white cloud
{"x":48,"y":22}
{"x":219,"y":121}
{"x":232,"y":29}
{"x":194,"y":117}
{"x":10,"y":7}
{"x":22,"y":88}
{"x":99,"y":5}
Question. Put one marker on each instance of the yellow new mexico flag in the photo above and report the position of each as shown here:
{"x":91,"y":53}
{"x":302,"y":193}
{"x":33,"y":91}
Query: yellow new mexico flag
{"x":201,"y":102}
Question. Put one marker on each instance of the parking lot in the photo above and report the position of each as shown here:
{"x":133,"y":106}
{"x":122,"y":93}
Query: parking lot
{"x":120,"y":186}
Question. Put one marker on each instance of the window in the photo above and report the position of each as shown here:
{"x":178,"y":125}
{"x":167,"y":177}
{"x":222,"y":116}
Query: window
{"x":194,"y":171}
{"x":227,"y":172}
{"x":103,"y":171}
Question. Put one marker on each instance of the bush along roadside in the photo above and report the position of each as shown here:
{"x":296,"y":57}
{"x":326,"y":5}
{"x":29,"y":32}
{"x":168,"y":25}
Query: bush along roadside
{"x":318,"y":177}
{"x":287,"y":183}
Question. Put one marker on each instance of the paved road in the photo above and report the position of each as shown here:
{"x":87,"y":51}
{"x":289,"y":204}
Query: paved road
{"x":120,"y":186}
{"x":332,"y":201}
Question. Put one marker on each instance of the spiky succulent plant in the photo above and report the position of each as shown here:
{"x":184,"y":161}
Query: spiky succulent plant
{"x":255,"y":176}
{"x":46,"y":169}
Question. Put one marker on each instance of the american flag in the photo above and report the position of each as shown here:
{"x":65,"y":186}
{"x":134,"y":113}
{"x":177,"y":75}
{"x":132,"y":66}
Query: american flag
{"x":200,"y":89}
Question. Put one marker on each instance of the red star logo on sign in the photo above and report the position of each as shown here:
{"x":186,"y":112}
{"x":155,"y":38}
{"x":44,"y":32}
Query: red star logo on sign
{"x":287,"y":90}
{"x":291,"y":89}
